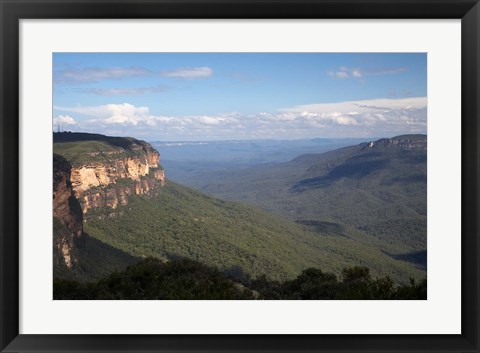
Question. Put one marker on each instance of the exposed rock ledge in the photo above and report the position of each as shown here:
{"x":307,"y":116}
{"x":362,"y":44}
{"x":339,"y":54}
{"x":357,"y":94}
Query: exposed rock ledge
{"x":110,"y":183}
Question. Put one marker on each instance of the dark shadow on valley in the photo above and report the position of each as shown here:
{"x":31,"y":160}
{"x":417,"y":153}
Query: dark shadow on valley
{"x":418,"y":258}
{"x":353,"y":169}
{"x":325,"y":228}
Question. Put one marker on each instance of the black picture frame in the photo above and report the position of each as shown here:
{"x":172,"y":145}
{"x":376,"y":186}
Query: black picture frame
{"x":14,"y":10}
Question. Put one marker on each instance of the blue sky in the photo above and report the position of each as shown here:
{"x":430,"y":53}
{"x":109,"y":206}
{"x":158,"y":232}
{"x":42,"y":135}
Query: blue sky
{"x":220,"y":96}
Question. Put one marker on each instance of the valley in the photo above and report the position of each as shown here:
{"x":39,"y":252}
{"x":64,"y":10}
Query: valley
{"x":361,"y":205}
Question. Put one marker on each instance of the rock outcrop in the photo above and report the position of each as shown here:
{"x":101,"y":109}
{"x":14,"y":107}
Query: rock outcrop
{"x":404,"y":142}
{"x":109,"y":183}
{"x":107,"y":170}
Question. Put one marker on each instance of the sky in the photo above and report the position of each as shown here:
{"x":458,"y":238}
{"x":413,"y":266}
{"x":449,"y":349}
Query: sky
{"x":240,"y":96}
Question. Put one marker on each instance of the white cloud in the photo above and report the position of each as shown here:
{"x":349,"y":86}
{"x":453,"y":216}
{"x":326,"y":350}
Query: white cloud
{"x":120,"y":119}
{"x":96,"y":74}
{"x":124,"y":91}
{"x":189,"y":73}
{"x":69,"y":76}
{"x":348,"y":72}
{"x":357,"y":73}
{"x":125,"y":114}
{"x":64,"y":120}
{"x":208,"y":120}
{"x":390,"y":71}
{"x":340,"y":73}
{"x":345,"y":120}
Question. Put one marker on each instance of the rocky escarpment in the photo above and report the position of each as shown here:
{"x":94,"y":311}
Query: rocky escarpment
{"x":107,"y":170}
{"x":68,"y":227}
{"x":110,"y":183}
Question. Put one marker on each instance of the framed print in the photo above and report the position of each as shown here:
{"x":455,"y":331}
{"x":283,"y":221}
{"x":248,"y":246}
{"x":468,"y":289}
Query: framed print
{"x":239,"y":176}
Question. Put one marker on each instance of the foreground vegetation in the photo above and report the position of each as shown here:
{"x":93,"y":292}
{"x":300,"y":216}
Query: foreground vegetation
{"x":153,"y":279}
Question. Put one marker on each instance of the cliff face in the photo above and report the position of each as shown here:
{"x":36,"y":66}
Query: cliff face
{"x":102,"y":174}
{"x":107,"y":170}
{"x":68,"y":227}
{"x":109,"y":183}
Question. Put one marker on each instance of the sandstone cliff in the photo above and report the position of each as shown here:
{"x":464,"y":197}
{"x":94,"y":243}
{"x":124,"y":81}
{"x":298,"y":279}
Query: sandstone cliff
{"x":107,"y":170}
{"x":404,"y":142}
{"x":109,"y":183}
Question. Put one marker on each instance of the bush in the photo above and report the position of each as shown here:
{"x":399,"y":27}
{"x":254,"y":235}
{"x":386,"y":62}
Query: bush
{"x":183,"y":279}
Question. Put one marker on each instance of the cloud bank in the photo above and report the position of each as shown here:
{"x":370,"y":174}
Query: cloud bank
{"x":367,"y":118}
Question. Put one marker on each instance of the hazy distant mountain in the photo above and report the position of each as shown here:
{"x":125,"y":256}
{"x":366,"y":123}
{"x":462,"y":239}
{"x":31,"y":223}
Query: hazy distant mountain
{"x":187,"y":160}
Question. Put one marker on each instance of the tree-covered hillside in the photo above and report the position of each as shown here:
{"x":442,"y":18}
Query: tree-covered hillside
{"x":378,"y":188}
{"x":181,"y":222}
